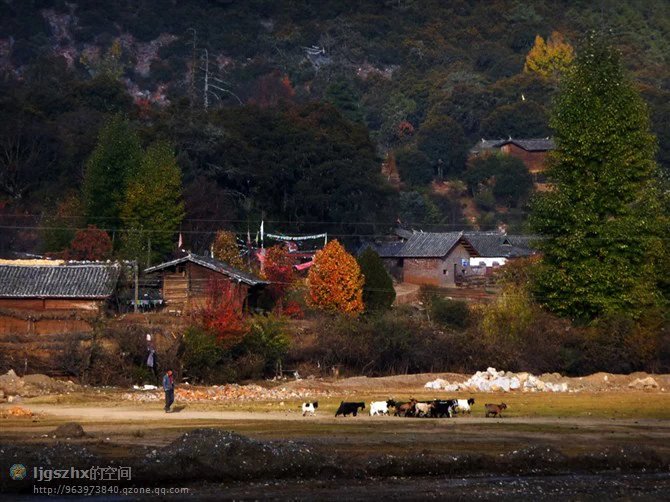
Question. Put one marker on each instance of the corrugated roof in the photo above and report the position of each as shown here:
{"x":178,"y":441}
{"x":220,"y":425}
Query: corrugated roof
{"x":61,"y":281}
{"x":212,"y":264}
{"x":429,"y":245}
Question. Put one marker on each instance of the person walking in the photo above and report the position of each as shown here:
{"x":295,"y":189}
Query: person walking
{"x":168,"y":387}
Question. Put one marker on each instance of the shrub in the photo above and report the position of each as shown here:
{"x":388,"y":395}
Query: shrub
{"x":201,"y":353}
{"x":449,"y":313}
{"x":267,"y":339}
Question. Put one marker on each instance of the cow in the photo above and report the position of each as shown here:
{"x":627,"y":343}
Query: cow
{"x":309,"y":408}
{"x":379,"y":408}
{"x":347,"y":408}
{"x":495,"y":409}
{"x":464,"y":405}
{"x":443,"y":408}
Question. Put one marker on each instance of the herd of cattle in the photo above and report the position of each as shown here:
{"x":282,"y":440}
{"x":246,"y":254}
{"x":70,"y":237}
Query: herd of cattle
{"x":437,"y":408}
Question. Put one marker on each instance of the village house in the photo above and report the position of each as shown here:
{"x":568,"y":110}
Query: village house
{"x":448,"y":259}
{"x":44,"y":303}
{"x":532,"y":152}
{"x":56,"y":285}
{"x":186,"y":282}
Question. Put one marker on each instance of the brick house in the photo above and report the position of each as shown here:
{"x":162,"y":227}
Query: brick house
{"x":532,"y":152}
{"x":449,"y":259}
{"x":433,"y":258}
{"x":185,"y":282}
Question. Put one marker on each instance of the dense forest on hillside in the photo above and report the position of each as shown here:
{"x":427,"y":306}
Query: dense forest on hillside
{"x":285,"y":111}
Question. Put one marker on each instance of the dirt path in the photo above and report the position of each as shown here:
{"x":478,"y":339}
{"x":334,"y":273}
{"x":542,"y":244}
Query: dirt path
{"x":133,"y":414}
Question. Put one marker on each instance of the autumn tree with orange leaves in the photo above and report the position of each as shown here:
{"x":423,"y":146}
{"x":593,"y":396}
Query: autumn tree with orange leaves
{"x":335,"y":281}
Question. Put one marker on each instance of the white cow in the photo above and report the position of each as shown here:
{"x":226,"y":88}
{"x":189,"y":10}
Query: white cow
{"x":464,"y":405}
{"x":379,"y":408}
{"x":309,"y":408}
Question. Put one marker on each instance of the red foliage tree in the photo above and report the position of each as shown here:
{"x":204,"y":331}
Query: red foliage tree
{"x":404,"y":129}
{"x":90,"y":244}
{"x":271,"y":89}
{"x":279,"y":271}
{"x":222,"y":314}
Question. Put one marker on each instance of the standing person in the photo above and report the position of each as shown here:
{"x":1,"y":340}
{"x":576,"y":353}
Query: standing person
{"x":151,"y":362}
{"x":168,"y":387}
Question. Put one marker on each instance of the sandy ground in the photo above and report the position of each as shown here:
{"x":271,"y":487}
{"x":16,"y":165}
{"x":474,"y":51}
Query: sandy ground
{"x":613,"y":428}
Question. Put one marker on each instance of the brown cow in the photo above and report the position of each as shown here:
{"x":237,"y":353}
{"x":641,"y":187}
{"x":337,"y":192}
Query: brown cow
{"x":495,"y":409}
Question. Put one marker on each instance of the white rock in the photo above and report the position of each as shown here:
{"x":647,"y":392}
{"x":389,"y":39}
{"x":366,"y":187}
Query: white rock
{"x":436,"y":384}
{"x":643,"y":383}
{"x":514,"y":383}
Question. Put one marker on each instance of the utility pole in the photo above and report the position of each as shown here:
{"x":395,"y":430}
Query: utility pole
{"x":148,"y":251}
{"x":137,"y":288}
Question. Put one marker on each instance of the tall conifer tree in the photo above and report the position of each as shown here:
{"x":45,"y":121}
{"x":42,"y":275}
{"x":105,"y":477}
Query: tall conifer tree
{"x":603,"y":220}
{"x":114,"y":160}
{"x":378,"y":292}
{"x":153,"y":208}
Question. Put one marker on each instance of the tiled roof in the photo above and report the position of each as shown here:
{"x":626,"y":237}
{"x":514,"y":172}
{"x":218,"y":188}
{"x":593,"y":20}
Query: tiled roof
{"x":387,"y":249}
{"x":429,"y":245}
{"x":497,"y":245}
{"x":534,"y":145}
{"x":488,"y":244}
{"x":212,"y":264}
{"x":530,"y":145}
{"x":91,"y":280}
{"x":403,"y":233}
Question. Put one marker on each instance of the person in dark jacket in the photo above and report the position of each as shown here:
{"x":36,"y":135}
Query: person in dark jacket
{"x":168,"y":387}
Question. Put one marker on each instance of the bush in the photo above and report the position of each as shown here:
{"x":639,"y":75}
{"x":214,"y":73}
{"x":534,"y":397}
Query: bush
{"x":449,"y":313}
{"x":267,"y":341}
{"x":201,"y":353}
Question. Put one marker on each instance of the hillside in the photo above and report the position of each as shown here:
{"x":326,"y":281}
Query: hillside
{"x":286,"y":110}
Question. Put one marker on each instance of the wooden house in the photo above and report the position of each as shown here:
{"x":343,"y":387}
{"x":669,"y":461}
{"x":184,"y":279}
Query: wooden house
{"x":186,"y":283}
{"x":532,"y":152}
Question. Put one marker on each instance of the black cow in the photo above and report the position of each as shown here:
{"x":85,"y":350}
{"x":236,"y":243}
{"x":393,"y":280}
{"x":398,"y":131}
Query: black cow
{"x":443,"y":407}
{"x":349,"y":408}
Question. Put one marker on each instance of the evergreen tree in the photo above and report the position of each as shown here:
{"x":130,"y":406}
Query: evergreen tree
{"x":414,"y":167}
{"x":602,"y":221}
{"x":346,"y":99}
{"x":153,"y":209}
{"x":443,"y":142}
{"x":378,"y":292}
{"x":115,"y":159}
